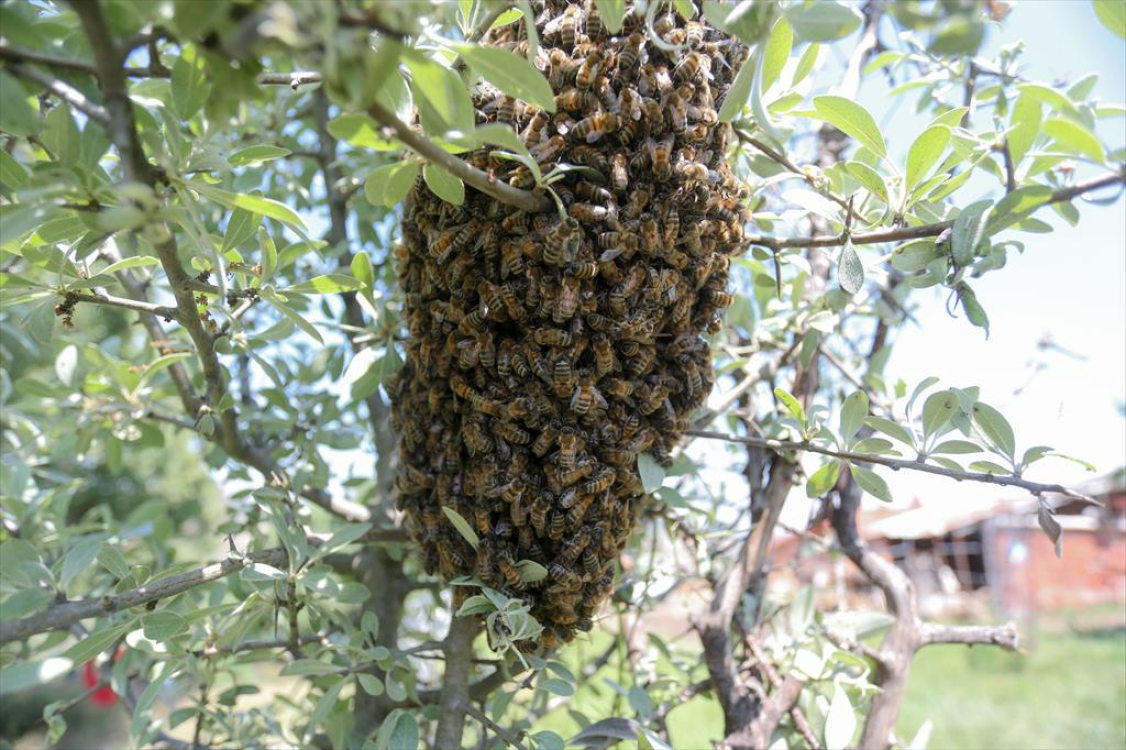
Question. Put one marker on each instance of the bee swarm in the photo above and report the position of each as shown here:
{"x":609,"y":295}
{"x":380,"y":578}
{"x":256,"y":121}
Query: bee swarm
{"x":546,"y":353}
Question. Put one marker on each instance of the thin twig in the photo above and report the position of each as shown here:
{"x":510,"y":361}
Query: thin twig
{"x":426,"y":148}
{"x":160,"y":311}
{"x":513,"y":739}
{"x":923,"y":230}
{"x":1036,"y":488}
{"x":63,"y":91}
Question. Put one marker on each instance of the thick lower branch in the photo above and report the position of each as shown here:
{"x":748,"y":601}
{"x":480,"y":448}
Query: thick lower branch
{"x":455,"y":682}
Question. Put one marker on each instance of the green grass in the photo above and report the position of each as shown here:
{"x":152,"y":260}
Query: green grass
{"x":1069,"y":691}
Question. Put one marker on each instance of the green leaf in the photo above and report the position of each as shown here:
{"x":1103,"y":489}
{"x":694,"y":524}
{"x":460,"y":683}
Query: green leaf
{"x":17,"y":116}
{"x":1016,"y":206}
{"x":189,"y":83}
{"x":61,"y":134}
{"x":559,"y":687}
{"x":914,"y":255}
{"x":443,"y":184}
{"x":989,"y":467}
{"x":95,"y":643}
{"x":805,"y":63}
{"x":268,"y":255}
{"x":1113,"y":15}
{"x":324,"y":706}
{"x":793,"y":406}
{"x":888,"y":427}
{"x":825,"y":20}
{"x":254,"y":203}
{"x":853,"y":412}
{"x":969,"y":231}
{"x":462,"y":526}
{"x":406,"y":733}
{"x":1024,"y":126}
{"x":739,"y":92}
{"x":162,"y":625}
{"x":996,"y":428}
{"x":1073,"y":138}
{"x":873,"y":445}
{"x":872,"y":180}
{"x":333,"y":283}
{"x":66,"y":364}
{"x":531,"y":571}
{"x":240,"y":227}
{"x":292,"y":315}
{"x":957,"y":447}
{"x":257,"y":154}
{"x":925,"y":153}
{"x":389,"y":184}
{"x":359,"y":130}
{"x":78,"y":559}
{"x":824,"y":479}
{"x":778,"y":48}
{"x":371,"y":684}
{"x":840,"y":723}
{"x":440,"y":95}
{"x":343,"y":536}
{"x":652,"y":473}
{"x":974,"y":311}
{"x":22,"y":675}
{"x":111,"y":558}
{"x":510,"y":73}
{"x":853,"y":120}
{"x":612,"y":12}
{"x":871,"y":482}
{"x":850,"y":271}
{"x":938,"y":410}
{"x":12,"y":173}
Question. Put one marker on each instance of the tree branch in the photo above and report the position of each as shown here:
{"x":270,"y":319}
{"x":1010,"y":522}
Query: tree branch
{"x":455,"y":681}
{"x":512,"y":739}
{"x":501,"y":191}
{"x":923,"y":230}
{"x":160,"y":311}
{"x":63,"y":91}
{"x":1036,"y":488}
{"x":1005,"y":636}
{"x":62,"y":615}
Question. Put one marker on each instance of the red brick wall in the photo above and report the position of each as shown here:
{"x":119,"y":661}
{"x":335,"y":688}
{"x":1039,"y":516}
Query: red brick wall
{"x":1092,"y":570}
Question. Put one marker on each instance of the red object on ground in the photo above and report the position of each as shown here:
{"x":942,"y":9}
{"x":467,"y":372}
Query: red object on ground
{"x":103,"y":696}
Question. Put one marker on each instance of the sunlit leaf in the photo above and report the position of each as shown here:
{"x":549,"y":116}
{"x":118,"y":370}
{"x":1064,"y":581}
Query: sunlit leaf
{"x":853,"y":120}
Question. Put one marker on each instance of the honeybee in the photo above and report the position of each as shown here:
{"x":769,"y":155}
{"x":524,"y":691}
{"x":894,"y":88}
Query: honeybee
{"x":593,"y":20}
{"x":468,"y":354}
{"x":600,"y":482}
{"x":586,"y":270}
{"x":561,"y":68}
{"x":563,"y":576}
{"x":534,"y":130}
{"x":591,"y":567}
{"x":512,"y":433}
{"x":588,"y":212}
{"x":569,"y":446}
{"x":562,"y":243}
{"x":594,"y":127}
{"x":660,"y":153}
{"x":578,"y":511}
{"x":694,"y":34}
{"x":475,"y":438}
{"x":547,"y":150}
{"x":604,"y":362}
{"x":570,"y":26}
{"x":627,"y":60}
{"x":619,"y":172}
{"x":505,"y":108}
{"x":567,"y":301}
{"x":678,"y":114}
{"x":650,"y":235}
{"x":473,"y":322}
{"x":557,"y":526}
{"x":618,"y":387}
{"x":562,"y":376}
{"x":450,"y":562}
{"x":573,"y":546}
{"x":586,"y":397}
{"x":575,"y":100}
{"x":546,"y":439}
{"x":590,"y":157}
{"x":718,"y":297}
{"x":539,"y":512}
{"x":512,"y":259}
{"x":552,"y":337}
{"x":689,"y":67}
{"x":507,"y":568}
{"x":588,"y":70}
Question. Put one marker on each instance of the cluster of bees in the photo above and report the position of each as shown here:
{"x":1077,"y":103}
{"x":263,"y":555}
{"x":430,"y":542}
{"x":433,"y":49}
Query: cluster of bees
{"x":546,"y":352}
